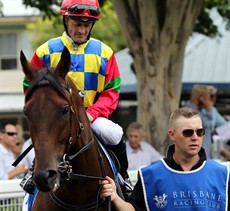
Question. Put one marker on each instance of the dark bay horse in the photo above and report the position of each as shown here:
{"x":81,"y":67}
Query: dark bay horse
{"x":68,"y":161}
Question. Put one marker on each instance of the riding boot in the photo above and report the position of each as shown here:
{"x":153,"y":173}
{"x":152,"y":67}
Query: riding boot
{"x":120,"y":151}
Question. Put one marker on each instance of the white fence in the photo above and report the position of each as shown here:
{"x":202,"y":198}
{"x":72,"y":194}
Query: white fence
{"x":11,"y":194}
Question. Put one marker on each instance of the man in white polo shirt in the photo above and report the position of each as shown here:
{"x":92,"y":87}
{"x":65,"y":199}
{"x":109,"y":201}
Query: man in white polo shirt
{"x":8,"y":138}
{"x":139,"y":152}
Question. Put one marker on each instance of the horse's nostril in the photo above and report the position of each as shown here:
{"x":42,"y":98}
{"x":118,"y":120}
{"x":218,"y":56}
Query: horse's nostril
{"x":52,"y":176}
{"x":51,"y":173}
{"x":45,"y":180}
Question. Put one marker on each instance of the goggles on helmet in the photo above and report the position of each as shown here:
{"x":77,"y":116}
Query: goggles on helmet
{"x":79,"y":9}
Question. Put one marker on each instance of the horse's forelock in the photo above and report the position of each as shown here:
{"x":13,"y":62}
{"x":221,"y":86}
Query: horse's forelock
{"x":46,"y":77}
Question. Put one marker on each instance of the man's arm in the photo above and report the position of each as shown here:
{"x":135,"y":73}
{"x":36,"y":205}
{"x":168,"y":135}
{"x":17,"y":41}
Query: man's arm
{"x":16,"y":171}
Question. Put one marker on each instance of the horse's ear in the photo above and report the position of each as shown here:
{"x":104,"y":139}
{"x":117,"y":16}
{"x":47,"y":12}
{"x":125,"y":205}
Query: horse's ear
{"x":27,"y":67}
{"x":64,"y":63}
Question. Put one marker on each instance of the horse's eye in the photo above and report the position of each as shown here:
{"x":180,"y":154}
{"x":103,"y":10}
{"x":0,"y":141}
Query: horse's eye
{"x":65,"y":111}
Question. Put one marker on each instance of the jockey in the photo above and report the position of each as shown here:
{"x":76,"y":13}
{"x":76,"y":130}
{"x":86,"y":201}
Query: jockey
{"x":93,"y":69}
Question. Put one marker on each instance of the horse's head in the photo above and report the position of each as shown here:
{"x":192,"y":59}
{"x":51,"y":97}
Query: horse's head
{"x":52,"y":117}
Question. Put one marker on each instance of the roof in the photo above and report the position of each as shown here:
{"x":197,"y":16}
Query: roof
{"x":206,"y":61}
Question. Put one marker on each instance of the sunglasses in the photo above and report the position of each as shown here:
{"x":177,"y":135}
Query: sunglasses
{"x":11,"y":133}
{"x":79,"y":9}
{"x":189,"y":132}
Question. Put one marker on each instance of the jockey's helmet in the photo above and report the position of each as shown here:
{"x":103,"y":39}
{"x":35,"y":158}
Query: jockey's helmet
{"x":83,"y":10}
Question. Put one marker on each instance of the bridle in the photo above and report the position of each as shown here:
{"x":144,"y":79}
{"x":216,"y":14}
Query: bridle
{"x":66,"y":172}
{"x":47,"y":78}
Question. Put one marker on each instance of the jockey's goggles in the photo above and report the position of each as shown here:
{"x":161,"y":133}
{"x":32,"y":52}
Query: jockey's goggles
{"x":79,"y":9}
{"x":189,"y":132}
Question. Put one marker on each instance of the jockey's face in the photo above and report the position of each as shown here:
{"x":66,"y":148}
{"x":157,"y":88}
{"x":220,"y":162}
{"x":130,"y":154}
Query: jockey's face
{"x":78,"y":30}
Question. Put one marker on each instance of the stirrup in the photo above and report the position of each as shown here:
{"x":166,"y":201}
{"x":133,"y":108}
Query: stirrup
{"x":126,"y":185}
{"x":27,"y":183}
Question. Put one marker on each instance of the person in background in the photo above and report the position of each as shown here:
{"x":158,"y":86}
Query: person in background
{"x":225,"y":151}
{"x":168,"y":184}
{"x":217,"y":118}
{"x":17,"y":148}
{"x":8,"y":137}
{"x":200,"y":99}
{"x":219,"y":121}
{"x":139,"y":152}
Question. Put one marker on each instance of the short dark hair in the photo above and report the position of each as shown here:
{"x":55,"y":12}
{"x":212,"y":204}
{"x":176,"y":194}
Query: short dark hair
{"x":4,"y":124}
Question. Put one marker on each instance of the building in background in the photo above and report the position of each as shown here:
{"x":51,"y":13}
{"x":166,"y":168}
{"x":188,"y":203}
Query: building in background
{"x":13,"y":39}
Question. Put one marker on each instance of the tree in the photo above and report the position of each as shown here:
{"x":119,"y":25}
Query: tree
{"x":156,"y":32}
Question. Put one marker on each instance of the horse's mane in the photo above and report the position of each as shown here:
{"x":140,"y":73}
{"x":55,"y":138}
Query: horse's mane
{"x":46,"y":77}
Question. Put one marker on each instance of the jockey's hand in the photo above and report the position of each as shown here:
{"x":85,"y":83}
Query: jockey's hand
{"x":89,"y":117}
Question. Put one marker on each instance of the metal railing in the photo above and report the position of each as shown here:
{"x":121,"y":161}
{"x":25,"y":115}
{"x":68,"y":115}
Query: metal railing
{"x":11,"y":195}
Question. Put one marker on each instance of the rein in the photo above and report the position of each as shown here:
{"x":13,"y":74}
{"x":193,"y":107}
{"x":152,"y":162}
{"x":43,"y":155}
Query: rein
{"x":65,"y":170}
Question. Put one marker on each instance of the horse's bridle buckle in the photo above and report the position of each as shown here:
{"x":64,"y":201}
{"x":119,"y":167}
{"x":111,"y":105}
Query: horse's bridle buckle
{"x":65,"y":169}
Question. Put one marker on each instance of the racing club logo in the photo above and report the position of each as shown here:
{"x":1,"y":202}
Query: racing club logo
{"x":161,"y":201}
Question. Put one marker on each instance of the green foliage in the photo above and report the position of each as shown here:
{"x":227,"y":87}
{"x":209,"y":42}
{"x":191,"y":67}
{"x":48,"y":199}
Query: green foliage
{"x":108,"y":30}
{"x":1,"y":7}
{"x":44,"y":29}
{"x":44,"y":6}
{"x":205,"y":25}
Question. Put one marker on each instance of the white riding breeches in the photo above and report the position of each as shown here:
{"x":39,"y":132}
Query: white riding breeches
{"x":107,"y":131}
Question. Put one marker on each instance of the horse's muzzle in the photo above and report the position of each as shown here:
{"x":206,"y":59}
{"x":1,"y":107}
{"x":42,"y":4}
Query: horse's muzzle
{"x":47,"y":180}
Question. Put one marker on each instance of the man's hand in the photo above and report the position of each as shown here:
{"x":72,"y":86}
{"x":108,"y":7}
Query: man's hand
{"x":109,"y":189}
